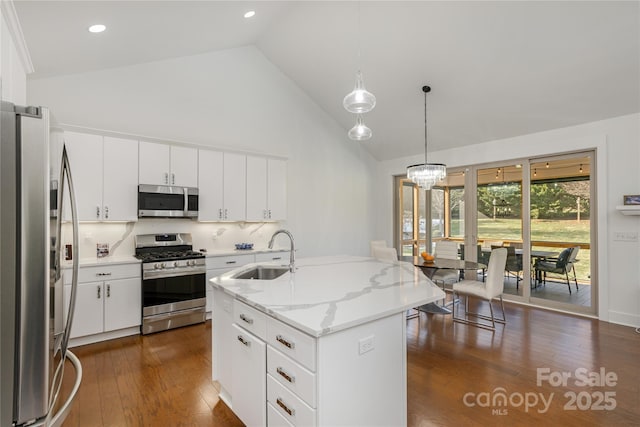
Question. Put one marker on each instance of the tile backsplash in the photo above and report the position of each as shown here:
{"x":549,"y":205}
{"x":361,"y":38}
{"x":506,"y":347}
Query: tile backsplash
{"x":221,"y":236}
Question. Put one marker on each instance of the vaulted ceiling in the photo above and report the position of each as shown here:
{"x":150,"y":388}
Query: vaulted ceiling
{"x":497,"y":69}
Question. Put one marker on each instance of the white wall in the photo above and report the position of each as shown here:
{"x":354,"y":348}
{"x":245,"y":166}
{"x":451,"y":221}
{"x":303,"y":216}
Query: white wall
{"x":235,"y":99}
{"x":13,"y":75}
{"x":617,"y":142}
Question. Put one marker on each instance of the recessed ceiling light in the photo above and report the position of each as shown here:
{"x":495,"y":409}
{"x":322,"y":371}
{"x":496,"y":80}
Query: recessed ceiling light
{"x":97,"y":28}
{"x":249,"y":14}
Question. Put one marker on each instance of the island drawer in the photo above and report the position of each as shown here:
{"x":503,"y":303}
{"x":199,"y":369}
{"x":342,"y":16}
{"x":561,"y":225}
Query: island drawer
{"x":290,"y":406}
{"x":274,"y":419}
{"x":250,"y":319}
{"x":293,"y":343}
{"x":292,"y":375}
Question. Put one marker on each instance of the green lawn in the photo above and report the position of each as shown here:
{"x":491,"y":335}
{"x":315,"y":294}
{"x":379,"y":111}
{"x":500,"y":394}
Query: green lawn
{"x":564,"y":231}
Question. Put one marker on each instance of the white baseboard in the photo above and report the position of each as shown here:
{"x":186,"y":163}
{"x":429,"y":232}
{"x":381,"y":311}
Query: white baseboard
{"x":626,"y":319}
{"x":91,"y":339}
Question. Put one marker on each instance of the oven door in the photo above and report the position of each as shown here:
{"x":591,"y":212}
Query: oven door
{"x":167,"y":201}
{"x":169,"y":294}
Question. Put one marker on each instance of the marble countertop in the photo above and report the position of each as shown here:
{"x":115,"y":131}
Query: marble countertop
{"x":90,"y":262}
{"x":329,"y":294}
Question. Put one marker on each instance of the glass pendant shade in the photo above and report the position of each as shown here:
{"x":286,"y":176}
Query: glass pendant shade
{"x":426,"y":175}
{"x":360,"y":100}
{"x":360,"y":132}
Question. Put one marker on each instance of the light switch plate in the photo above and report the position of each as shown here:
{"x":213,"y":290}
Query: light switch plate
{"x":366,"y":344}
{"x":625,"y":236}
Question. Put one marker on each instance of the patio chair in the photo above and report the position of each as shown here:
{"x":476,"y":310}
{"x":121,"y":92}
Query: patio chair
{"x":488,"y":290}
{"x":514,"y":265}
{"x":446,"y":249}
{"x":561,"y":265}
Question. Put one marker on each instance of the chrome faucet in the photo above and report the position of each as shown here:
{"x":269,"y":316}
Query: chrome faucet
{"x":292,"y":257}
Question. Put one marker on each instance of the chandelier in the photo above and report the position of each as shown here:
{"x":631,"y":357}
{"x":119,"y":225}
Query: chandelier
{"x":426,"y":175}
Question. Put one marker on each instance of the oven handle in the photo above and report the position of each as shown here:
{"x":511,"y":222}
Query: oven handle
{"x":165,"y":273}
{"x":163,"y":316}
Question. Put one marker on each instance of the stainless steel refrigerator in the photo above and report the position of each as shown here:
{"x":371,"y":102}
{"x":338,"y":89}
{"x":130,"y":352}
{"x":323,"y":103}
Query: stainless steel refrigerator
{"x":35,"y":178}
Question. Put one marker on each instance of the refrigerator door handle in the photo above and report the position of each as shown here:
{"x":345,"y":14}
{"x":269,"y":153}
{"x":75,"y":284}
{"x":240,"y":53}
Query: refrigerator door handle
{"x":65,"y":172}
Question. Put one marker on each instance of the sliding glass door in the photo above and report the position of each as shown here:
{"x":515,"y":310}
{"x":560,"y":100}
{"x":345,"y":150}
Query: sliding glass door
{"x":539,"y":209}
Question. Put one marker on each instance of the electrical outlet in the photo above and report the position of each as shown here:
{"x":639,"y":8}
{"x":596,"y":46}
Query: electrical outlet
{"x":227,"y":306}
{"x":625,"y":236}
{"x":365,"y":345}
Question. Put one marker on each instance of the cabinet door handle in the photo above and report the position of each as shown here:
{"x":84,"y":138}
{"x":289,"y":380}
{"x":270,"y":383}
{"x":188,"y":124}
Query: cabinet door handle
{"x":246,"y":319}
{"x":285,"y":343}
{"x":173,"y":179}
{"x":276,"y":258}
{"x":285,"y":375}
{"x":106,"y":212}
{"x":269,"y":213}
{"x":226,"y":214}
{"x":166,"y":177}
{"x":284,"y":407}
{"x":264,"y":214}
{"x":220,"y":213}
{"x":99,"y":291}
{"x":97,"y":211}
{"x":244,"y":341}
{"x":108,"y":291}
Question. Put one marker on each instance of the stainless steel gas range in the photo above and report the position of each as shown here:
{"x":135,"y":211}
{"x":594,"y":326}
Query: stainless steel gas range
{"x":173,"y":281}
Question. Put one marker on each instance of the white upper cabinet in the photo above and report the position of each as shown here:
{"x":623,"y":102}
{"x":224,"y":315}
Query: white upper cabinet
{"x":184,"y":166}
{"x":85,"y":161}
{"x":266,"y":189}
{"x":222,"y":182}
{"x":120,"y":186}
{"x":162,"y":164}
{"x":277,"y":189}
{"x":104,"y":172}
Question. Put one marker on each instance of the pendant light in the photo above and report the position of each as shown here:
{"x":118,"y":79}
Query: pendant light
{"x":360,"y":100}
{"x":360,"y":132}
{"x":426,"y":175}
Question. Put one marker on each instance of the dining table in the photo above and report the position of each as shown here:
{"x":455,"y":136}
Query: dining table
{"x":430,"y":267}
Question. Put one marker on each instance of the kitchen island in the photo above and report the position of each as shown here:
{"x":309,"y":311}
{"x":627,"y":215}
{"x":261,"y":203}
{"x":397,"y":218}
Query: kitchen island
{"x":324,"y":345}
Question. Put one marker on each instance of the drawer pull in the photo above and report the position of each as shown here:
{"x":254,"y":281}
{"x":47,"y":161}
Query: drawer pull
{"x":286,"y":376}
{"x":285,"y":343}
{"x":246,"y":319}
{"x":231,"y":262}
{"x":243,"y":341}
{"x":103,"y":274}
{"x":286,"y":409}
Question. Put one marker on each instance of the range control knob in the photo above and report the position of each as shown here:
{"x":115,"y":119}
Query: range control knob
{"x":176,"y":264}
{"x":156,"y":266}
{"x":163,"y":265}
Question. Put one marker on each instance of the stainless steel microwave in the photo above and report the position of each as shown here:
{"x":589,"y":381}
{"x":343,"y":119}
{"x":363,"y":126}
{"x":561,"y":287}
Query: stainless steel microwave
{"x":167,"y":201}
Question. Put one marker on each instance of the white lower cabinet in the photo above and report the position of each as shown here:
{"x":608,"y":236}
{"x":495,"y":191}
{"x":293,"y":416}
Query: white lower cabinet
{"x":310,"y":381}
{"x":248,"y":385}
{"x":108,"y":299}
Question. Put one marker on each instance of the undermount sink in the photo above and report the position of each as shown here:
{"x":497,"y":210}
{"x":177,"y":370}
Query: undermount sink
{"x":261,"y":272}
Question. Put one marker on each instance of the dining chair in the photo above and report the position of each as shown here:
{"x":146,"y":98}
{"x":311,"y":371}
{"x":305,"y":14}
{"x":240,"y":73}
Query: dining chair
{"x":446,"y":249}
{"x":488,"y":290}
{"x":385,"y":254}
{"x":377,"y":244}
{"x":561,"y":265}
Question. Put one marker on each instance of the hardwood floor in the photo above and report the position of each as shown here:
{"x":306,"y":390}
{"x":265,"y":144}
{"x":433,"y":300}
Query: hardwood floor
{"x":164,"y":379}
